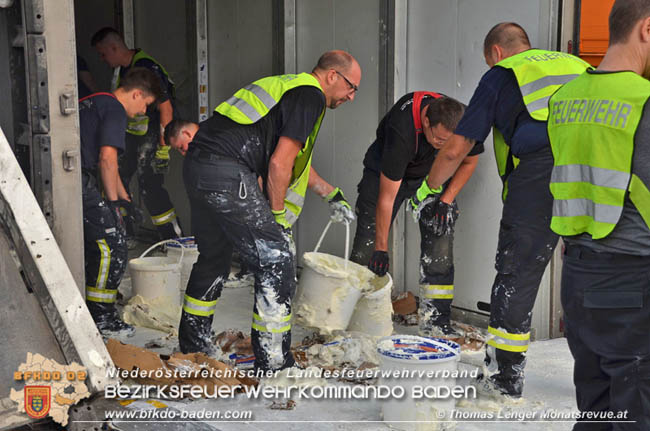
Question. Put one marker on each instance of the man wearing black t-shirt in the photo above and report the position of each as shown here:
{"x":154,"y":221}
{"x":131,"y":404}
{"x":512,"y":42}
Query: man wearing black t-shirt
{"x":146,"y":154}
{"x":524,"y":159}
{"x":408,"y":139}
{"x":267,"y":129}
{"x":102,"y":124}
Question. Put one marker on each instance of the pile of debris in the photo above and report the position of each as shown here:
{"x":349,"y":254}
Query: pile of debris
{"x":195,"y":369}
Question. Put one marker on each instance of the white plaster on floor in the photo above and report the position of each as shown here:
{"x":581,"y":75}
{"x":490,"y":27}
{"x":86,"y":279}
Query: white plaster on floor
{"x":548,"y":386}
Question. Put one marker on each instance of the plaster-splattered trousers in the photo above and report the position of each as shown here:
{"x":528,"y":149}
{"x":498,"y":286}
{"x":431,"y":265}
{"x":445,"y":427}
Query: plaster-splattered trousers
{"x":138,"y":158}
{"x":105,"y":252}
{"x":230,"y":211}
{"x":436,"y":252}
{"x":526,"y":244}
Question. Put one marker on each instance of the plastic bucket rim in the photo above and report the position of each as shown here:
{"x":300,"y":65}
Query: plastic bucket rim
{"x":138,"y":264}
{"x":381,"y":292}
{"x":337,"y":276}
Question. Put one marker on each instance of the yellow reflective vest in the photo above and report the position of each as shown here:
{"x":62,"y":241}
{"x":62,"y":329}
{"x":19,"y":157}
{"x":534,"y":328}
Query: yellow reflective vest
{"x":591,"y":127}
{"x":539,"y":74}
{"x":251,"y":103}
{"x":139,"y":124}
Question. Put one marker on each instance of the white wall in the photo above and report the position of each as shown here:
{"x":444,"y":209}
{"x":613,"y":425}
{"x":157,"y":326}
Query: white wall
{"x":445,"y":53}
{"x":348,"y":131}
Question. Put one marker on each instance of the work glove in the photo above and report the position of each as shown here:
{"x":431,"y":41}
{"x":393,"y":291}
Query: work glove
{"x":114,"y":207}
{"x":131,"y":213}
{"x":160,"y":163}
{"x":340,"y":210}
{"x":423,"y":197}
{"x":444,"y":217}
{"x":379,"y":262}
{"x":281,"y":219}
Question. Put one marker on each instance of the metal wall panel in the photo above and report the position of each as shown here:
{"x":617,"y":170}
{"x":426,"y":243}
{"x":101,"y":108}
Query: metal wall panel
{"x":240,"y":45}
{"x":445,"y":53}
{"x":348,"y":131}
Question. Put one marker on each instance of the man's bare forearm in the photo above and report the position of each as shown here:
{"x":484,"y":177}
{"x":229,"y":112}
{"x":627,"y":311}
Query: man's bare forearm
{"x":280,"y":170}
{"x":382,"y":223}
{"x":121,"y":190}
{"x":109,"y":175}
{"x":318,"y":185}
{"x":277,"y":184}
{"x":448,"y":160}
{"x":383,"y":214}
{"x":460,"y":178}
{"x":166,"y":116}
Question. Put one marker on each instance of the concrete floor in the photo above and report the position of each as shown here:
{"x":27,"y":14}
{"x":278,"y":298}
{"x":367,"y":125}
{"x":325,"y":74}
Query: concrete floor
{"x":549,"y":388}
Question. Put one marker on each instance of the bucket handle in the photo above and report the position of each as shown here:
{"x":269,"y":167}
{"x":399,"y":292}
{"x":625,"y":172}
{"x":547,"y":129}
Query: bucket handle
{"x":164,"y":242}
{"x":347,"y":240}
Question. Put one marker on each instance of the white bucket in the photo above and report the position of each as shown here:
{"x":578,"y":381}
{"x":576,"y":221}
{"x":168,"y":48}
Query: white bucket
{"x":374,"y":312}
{"x":329,"y":288}
{"x":328,"y":292}
{"x":400,"y":353}
{"x":190,"y":252}
{"x":155,"y":277}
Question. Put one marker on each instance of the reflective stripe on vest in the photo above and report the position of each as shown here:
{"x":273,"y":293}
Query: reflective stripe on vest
{"x":251,"y":103}
{"x":280,"y":326}
{"x":248,"y":107}
{"x":198,"y":307}
{"x":438,"y":291}
{"x":139,"y":125}
{"x":591,"y":127}
{"x":507,"y":341}
{"x":539,"y":74}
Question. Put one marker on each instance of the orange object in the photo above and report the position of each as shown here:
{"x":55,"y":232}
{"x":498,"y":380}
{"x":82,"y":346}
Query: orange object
{"x":594,"y":32}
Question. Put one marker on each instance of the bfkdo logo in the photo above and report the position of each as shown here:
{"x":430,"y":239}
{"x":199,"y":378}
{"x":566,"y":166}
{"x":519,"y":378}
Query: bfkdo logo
{"x":38,"y":401}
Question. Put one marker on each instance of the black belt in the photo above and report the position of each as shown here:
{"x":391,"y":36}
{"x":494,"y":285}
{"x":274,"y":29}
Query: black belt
{"x":585,"y":253}
{"x":198,"y":153}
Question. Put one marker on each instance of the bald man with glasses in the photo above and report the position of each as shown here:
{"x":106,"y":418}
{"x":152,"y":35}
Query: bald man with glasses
{"x":265,"y":130}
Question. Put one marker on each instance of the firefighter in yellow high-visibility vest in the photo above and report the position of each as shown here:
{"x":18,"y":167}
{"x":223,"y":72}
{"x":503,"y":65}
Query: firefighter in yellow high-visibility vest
{"x":599,"y":130}
{"x":146,"y":153}
{"x":512,"y":98}
{"x":267,"y":129}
